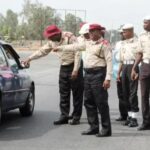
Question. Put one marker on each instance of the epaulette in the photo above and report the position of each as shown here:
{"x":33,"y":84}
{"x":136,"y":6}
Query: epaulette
{"x":143,"y":33}
{"x":68,"y":34}
{"x":105,"y":42}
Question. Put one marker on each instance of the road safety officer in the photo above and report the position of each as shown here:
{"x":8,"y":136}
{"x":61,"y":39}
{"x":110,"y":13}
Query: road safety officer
{"x":70,"y":76}
{"x":84,"y":32}
{"x":122,"y":104}
{"x":98,"y":71}
{"x":144,"y":56}
{"x":127,"y":57}
{"x":84,"y":36}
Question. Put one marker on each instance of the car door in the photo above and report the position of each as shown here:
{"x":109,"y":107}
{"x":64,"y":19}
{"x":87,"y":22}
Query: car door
{"x":7,"y":82}
{"x":22,"y":82}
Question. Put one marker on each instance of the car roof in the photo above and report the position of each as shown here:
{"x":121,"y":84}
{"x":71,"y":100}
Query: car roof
{"x":3,"y":43}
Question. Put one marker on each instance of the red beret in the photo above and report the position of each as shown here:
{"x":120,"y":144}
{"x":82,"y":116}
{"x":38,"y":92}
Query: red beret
{"x":96,"y":27}
{"x":51,"y":31}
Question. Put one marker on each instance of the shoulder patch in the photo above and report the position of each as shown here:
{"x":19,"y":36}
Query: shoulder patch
{"x":143,"y":33}
{"x":105,"y":42}
{"x":68,"y":34}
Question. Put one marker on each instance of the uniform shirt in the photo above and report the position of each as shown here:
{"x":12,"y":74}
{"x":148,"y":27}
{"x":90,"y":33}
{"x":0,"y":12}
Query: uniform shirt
{"x":144,"y":43}
{"x":66,"y":58}
{"x":98,"y":54}
{"x":128,"y":49}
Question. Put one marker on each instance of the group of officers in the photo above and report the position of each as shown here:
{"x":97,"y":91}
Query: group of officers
{"x":97,"y":68}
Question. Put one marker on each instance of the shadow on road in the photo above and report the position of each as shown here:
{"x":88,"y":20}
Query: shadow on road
{"x":15,"y":127}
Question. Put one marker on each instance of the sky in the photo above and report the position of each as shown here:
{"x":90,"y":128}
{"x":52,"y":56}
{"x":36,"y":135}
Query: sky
{"x":108,"y":13}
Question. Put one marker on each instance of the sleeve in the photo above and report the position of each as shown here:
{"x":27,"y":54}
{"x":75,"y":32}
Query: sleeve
{"x":73,"y":47}
{"x":77,"y":58}
{"x":140,"y":46}
{"x":108,"y":58}
{"x":45,"y":50}
{"x":77,"y":61}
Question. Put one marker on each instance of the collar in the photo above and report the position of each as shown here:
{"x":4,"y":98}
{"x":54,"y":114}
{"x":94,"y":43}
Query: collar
{"x":97,"y":42}
{"x":148,"y":32}
{"x":131,"y":40}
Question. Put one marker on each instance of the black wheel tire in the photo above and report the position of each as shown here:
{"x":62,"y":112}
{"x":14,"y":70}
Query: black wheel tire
{"x":28,"y":108}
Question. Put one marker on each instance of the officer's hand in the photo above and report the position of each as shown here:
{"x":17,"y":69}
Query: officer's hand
{"x":106,"y":84}
{"x":55,"y":49}
{"x":118,"y":78}
{"x":74,"y":75}
{"x":26,"y":62}
{"x":134,"y":75}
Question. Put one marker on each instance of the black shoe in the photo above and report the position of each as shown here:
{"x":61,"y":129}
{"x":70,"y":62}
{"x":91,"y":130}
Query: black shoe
{"x":104,"y":133}
{"x":90,"y":132}
{"x":121,"y":118}
{"x":74,"y":122}
{"x":61,"y":121}
{"x":144,"y":127}
{"x":127,"y":121}
{"x":133,"y":123}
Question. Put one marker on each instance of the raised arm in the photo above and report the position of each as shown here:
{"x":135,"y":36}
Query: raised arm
{"x":71,"y":47}
{"x":45,"y":50}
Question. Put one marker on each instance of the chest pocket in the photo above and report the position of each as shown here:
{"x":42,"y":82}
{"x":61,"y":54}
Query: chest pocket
{"x":134,"y":49}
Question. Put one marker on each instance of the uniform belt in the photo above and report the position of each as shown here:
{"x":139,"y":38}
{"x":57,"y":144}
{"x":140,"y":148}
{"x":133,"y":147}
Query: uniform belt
{"x":147,"y":61}
{"x":94,"y":70}
{"x":128,"y":62}
{"x":68,"y":65}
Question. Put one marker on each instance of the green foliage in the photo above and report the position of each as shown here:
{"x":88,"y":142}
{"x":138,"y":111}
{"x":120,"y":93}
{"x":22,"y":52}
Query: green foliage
{"x":32,"y":20}
{"x":72,"y":23}
{"x":9,"y":24}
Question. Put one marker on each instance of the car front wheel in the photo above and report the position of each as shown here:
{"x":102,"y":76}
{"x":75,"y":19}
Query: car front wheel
{"x":28,"y":108}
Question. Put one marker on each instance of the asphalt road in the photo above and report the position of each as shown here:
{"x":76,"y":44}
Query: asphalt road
{"x":38,"y":131}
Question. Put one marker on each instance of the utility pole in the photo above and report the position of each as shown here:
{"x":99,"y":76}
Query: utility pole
{"x":75,"y":11}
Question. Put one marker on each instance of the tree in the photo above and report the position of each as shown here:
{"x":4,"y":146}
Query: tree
{"x":72,"y":23}
{"x":33,"y":19}
{"x":38,"y":17}
{"x":11,"y":23}
{"x":8,"y":24}
{"x":2,"y":22}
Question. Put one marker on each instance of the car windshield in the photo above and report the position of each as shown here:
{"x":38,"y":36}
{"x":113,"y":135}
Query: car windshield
{"x":10,"y":57}
{"x":2,"y":58}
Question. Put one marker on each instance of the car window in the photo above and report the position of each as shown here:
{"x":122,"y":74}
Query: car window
{"x":10,"y":57}
{"x":2,"y":58}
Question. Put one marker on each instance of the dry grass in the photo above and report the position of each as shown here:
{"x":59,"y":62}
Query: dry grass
{"x":27,"y":45}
